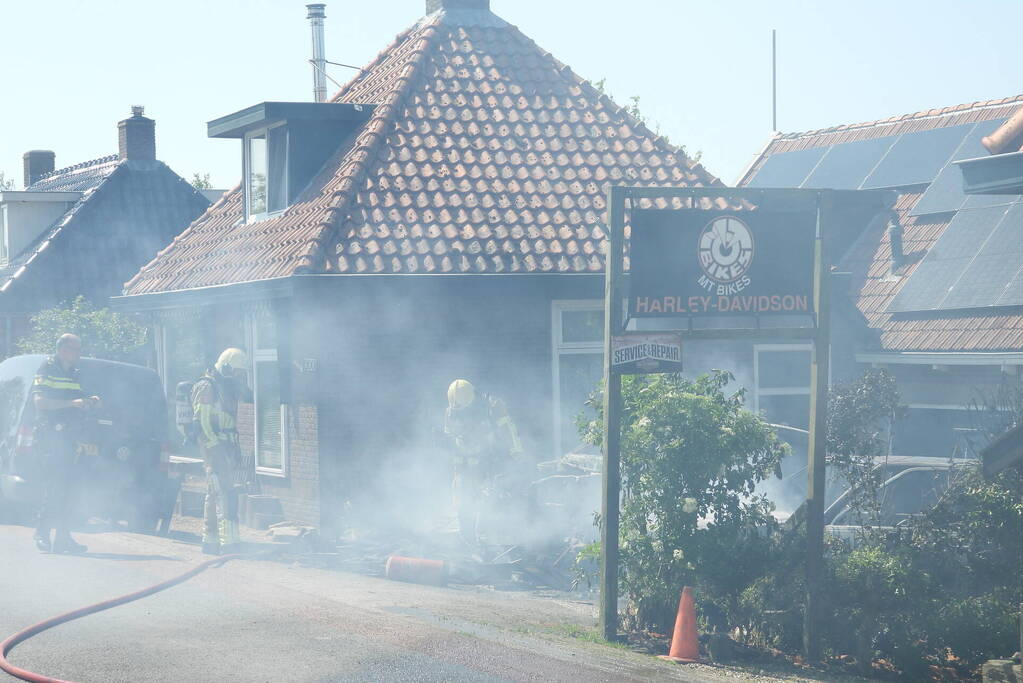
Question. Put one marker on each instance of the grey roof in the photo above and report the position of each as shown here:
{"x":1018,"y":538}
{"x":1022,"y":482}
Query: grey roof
{"x":78,"y":178}
{"x":128,"y":211}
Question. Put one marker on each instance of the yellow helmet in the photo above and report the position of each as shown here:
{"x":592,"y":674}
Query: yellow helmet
{"x":461,"y":394}
{"x":231,"y":360}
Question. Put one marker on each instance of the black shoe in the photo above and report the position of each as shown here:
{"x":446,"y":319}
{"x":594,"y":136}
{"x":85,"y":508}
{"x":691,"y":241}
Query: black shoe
{"x":210,"y":548}
{"x":42,"y":542}
{"x":68,"y":545}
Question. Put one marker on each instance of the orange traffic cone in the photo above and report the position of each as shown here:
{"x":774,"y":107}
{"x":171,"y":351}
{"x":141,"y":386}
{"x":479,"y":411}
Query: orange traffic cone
{"x":685,"y":647}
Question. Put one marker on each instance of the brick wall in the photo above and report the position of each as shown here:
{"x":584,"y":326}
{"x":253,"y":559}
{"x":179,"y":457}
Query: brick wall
{"x":299,"y":490}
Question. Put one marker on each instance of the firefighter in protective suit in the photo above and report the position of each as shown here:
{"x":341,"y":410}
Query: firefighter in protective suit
{"x":483,"y":438}
{"x":215,"y":404}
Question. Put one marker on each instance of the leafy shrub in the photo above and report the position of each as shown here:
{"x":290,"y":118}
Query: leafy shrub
{"x":691,"y":459}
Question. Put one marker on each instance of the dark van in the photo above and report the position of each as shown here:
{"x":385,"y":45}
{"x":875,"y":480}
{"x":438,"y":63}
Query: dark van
{"x":122,"y":453}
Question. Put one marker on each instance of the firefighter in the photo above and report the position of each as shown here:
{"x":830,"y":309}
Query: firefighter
{"x":215,"y":406}
{"x":483,"y":438}
{"x":60,"y":411}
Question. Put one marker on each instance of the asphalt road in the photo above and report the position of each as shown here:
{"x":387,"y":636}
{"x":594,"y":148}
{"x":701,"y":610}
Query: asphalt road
{"x":261,"y":620}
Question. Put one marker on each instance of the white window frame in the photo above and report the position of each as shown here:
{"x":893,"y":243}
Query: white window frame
{"x":264,"y":355}
{"x":776,"y":391}
{"x":246,"y":185}
{"x":559,"y":347}
{"x":5,"y":241}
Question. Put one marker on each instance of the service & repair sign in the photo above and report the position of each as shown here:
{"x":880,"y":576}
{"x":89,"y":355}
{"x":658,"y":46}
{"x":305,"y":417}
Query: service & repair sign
{"x":639,"y":353}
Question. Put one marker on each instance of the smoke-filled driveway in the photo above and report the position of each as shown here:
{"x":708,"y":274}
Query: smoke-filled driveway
{"x":273,"y":621}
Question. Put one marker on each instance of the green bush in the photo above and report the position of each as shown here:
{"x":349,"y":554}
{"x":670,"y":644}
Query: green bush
{"x":691,"y":459}
{"x":946,"y":592}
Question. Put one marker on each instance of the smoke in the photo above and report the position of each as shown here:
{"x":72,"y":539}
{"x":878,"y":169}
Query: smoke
{"x":386,"y":469}
{"x":789,"y":491}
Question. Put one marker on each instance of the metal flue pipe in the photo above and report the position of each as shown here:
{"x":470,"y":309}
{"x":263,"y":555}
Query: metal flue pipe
{"x":316,"y":16}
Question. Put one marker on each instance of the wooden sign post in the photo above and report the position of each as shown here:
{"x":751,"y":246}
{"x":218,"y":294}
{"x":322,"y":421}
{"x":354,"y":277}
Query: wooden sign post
{"x":763,"y":255}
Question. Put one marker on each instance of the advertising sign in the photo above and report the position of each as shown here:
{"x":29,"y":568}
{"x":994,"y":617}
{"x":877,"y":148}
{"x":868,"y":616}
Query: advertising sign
{"x":636,"y":354}
{"x":693,"y":262}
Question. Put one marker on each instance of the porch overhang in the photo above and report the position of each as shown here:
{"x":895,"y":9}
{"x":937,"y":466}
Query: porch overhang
{"x":273,"y":288}
{"x":266,"y":114}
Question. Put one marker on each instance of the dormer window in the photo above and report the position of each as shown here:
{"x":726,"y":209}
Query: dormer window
{"x":266,"y":171}
{"x":284,"y":144}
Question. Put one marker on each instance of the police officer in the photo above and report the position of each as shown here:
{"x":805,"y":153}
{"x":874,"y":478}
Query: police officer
{"x":215,"y":404}
{"x":483,"y":438}
{"x":60,"y":409}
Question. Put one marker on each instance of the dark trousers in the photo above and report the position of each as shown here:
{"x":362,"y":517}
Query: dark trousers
{"x":57,"y":474}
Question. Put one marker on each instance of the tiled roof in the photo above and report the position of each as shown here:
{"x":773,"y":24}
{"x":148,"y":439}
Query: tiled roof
{"x":86,"y":177}
{"x":127,"y":211}
{"x":872,"y":286}
{"x":78,"y":178}
{"x":484,"y":154}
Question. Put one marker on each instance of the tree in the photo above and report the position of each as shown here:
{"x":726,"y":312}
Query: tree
{"x":692,"y":456}
{"x":5,"y":182}
{"x":201,"y":182}
{"x":861,"y":418}
{"x":104,"y":333}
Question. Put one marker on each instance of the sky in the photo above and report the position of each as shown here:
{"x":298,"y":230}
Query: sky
{"x":70,"y":69}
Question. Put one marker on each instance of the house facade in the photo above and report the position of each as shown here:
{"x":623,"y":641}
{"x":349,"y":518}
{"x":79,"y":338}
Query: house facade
{"x":931,"y":294}
{"x":84,"y":229}
{"x":440,"y":217}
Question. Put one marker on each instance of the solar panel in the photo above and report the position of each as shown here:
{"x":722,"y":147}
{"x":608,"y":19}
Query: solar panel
{"x":916,"y":158}
{"x":787,"y":169}
{"x":978,"y":201}
{"x":846,"y":166}
{"x":1013,"y":293}
{"x":997,"y":262}
{"x":947,"y":260}
{"x":946,"y":192}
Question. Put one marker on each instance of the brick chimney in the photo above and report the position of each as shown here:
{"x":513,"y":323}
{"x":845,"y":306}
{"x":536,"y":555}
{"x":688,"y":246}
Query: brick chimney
{"x":37,"y":163}
{"x":136,"y":137}
{"x":435,"y":5}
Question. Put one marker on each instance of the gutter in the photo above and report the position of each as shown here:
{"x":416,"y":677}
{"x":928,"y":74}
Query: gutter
{"x":941,"y":358}
{"x":287,"y":286}
{"x":272,"y":288}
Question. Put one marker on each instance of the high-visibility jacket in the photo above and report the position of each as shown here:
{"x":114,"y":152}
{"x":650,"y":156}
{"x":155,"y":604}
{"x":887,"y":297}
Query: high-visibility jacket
{"x":53,"y":381}
{"x":481,"y":432}
{"x":215,"y":406}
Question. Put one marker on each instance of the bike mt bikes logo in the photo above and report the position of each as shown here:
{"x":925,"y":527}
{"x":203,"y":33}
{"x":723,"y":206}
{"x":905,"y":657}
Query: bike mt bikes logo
{"x":697,"y":262}
{"x":725,"y":254}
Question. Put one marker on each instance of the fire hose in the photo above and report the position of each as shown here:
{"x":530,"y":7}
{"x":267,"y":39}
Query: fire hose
{"x":21,"y":636}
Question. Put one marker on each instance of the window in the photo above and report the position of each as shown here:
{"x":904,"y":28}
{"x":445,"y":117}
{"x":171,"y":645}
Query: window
{"x":266,"y":174}
{"x":781,"y":377}
{"x":937,"y":432}
{"x":578,"y":365}
{"x":270,"y":412}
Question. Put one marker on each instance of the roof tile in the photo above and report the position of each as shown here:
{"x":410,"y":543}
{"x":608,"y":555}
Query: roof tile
{"x":477,"y":133}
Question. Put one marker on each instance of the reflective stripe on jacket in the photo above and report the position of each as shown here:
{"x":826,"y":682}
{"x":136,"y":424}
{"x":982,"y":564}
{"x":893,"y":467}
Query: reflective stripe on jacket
{"x":215,"y":410}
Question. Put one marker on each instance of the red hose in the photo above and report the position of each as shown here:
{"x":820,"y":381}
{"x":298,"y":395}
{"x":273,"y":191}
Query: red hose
{"x":25,"y":634}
